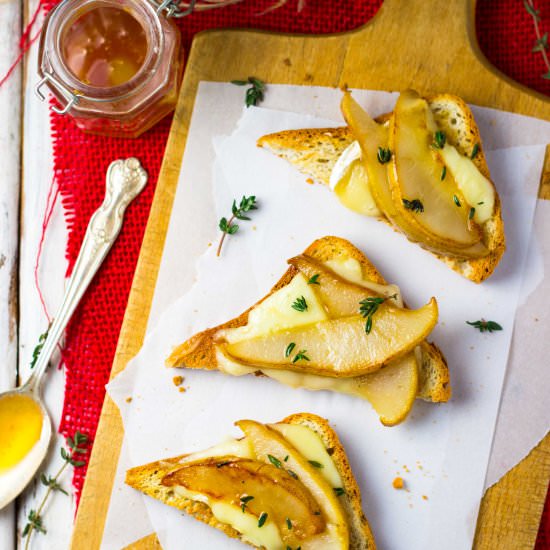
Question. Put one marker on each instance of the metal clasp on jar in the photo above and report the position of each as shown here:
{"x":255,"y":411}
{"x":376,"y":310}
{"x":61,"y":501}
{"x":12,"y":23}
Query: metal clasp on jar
{"x":172,"y":8}
{"x":72,"y":98}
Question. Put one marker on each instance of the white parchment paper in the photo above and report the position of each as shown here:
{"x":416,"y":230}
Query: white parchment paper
{"x":441,"y":451}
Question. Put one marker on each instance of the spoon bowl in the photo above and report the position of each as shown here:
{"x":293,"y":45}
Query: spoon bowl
{"x":14,"y":479}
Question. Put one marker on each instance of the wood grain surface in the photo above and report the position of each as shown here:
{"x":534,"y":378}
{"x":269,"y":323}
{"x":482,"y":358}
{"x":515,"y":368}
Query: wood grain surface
{"x":425,"y":44}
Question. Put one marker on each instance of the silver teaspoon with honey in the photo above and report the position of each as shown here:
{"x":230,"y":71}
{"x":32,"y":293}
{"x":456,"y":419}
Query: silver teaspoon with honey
{"x":25,"y":425}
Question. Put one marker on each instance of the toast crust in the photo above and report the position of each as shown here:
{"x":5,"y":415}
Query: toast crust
{"x":315,"y":151}
{"x":147,"y":479}
{"x":200,"y":352}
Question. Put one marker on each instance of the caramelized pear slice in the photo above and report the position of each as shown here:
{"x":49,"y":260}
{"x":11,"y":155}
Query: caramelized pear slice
{"x":268,"y":442}
{"x":371,"y":136}
{"x":273,"y":490}
{"x":340,"y":297}
{"x":341,"y":347}
{"x":416,"y":172}
{"x":392,"y":389}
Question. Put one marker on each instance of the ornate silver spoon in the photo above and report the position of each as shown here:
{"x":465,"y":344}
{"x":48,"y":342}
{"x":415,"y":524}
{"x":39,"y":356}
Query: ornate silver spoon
{"x":25,"y":425}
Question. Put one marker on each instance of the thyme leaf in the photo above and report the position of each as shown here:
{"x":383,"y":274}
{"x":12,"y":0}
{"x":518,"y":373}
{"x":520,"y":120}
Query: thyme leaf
{"x":289,"y":349}
{"x":36,"y":351}
{"x":314,"y":280}
{"x":299,"y":304}
{"x":485,"y":326}
{"x":301,"y":356}
{"x":275,"y":461}
{"x":262,"y":519}
{"x":439,"y":139}
{"x":415,"y":205}
{"x":383,"y":155}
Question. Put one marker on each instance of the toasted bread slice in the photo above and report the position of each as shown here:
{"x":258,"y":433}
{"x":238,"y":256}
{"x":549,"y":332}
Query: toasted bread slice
{"x":315,"y":151}
{"x":199,"y":351}
{"x":148,"y":480}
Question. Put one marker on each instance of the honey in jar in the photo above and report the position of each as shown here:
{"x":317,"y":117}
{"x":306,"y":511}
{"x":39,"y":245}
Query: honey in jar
{"x":113,"y":65}
{"x":104,"y":47}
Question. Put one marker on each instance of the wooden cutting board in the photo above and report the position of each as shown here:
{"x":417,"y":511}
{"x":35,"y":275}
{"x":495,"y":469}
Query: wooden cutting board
{"x":428,"y":45}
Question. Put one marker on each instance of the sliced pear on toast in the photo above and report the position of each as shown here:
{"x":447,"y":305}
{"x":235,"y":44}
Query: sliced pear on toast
{"x":392,"y":390}
{"x":267,"y":443}
{"x":292,"y":488}
{"x":340,"y":297}
{"x":330,"y":349}
{"x":372,"y":137}
{"x":340,"y":347}
{"x":417,"y":173}
{"x":275,"y":493}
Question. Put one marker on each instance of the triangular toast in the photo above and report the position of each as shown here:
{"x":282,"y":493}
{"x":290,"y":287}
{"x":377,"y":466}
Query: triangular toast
{"x":148,"y":479}
{"x":199,"y":351}
{"x":314,"y":151}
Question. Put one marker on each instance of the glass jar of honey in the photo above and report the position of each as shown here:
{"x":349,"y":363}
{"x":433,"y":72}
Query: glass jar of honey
{"x":113,"y":65}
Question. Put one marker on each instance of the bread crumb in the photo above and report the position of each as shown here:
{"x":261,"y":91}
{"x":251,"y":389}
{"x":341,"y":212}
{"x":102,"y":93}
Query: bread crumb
{"x":178,"y":380}
{"x":128,"y":400}
{"x":398,"y":483}
{"x":181,"y":389}
{"x":424,"y":497}
{"x":310,"y":181}
{"x":209,"y":244}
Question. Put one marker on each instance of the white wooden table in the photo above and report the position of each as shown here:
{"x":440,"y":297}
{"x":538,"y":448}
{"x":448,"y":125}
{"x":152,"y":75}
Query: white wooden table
{"x":26,"y":168}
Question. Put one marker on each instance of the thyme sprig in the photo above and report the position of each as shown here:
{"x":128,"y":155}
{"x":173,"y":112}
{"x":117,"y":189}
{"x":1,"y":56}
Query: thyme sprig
{"x":38,"y":348}
{"x":541,"y":42}
{"x":485,"y":326}
{"x":70,"y":457}
{"x":369,"y":306}
{"x":227,"y":226}
{"x":255,"y":93}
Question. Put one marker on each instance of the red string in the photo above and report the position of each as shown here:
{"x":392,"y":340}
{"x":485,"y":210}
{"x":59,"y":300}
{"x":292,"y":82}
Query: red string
{"x":25,"y":42}
{"x":51,"y":200}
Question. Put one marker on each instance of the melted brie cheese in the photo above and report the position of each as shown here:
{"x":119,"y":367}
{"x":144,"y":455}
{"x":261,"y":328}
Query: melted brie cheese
{"x":477,"y":189}
{"x":247,"y":524}
{"x":350,"y":183}
{"x":276,"y":313}
{"x":310,"y":445}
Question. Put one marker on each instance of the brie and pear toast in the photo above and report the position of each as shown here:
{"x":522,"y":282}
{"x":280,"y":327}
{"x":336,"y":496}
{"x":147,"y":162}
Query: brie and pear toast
{"x":283,"y":485}
{"x":421,"y":168}
{"x":331,"y":323}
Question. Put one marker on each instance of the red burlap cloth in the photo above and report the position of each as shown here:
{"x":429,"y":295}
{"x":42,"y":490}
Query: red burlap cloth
{"x":506,"y":35}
